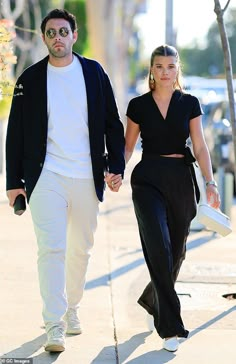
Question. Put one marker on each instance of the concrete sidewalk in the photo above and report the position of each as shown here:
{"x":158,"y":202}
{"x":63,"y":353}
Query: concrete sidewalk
{"x":114,"y":325}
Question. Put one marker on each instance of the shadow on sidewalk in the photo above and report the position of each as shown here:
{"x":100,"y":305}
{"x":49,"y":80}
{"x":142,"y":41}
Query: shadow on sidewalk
{"x":45,"y":358}
{"x":196,"y":243}
{"x":211,"y":322}
{"x":106,"y":278}
{"x":128,"y":347}
{"x":152,"y":357}
{"x":27,"y":349}
{"x":123,"y":350}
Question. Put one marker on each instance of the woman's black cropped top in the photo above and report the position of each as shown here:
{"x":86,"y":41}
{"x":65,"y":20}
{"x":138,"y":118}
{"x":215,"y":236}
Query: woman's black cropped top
{"x":159,"y":135}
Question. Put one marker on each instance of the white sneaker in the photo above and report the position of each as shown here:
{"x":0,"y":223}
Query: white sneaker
{"x":150,"y":322}
{"x":55,"y":338}
{"x":171,"y":344}
{"x":73,"y":322}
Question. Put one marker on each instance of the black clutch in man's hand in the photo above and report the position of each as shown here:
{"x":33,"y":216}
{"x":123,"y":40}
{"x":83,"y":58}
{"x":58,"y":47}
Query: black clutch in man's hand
{"x":19,"y":205}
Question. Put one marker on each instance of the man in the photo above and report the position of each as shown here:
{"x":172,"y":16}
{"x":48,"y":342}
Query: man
{"x":59,"y":128}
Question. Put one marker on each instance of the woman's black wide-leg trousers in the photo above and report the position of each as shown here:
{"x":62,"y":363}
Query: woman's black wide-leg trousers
{"x":164,"y":203}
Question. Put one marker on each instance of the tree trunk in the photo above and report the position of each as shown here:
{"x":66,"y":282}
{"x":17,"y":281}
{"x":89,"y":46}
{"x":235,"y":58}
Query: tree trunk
{"x":228,"y":69}
{"x":110,"y":27}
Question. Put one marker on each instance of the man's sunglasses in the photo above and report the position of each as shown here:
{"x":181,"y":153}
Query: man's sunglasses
{"x":51,"y":33}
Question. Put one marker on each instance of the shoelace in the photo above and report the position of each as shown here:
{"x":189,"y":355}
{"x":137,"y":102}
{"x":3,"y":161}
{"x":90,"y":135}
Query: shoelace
{"x":56,"y":332}
{"x":72,"y":316}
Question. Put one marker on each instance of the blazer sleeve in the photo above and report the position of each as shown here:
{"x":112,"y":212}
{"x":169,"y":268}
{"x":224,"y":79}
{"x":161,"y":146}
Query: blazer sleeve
{"x":15,"y":141}
{"x":114,"y":131}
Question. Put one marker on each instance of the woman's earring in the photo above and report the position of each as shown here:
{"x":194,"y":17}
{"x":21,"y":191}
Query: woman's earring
{"x":152,"y":78}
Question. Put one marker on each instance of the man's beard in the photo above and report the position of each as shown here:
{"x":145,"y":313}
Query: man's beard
{"x":58,"y":54}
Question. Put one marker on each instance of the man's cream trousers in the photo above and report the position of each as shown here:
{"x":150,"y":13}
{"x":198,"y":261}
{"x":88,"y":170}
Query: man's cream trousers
{"x":64,"y":212}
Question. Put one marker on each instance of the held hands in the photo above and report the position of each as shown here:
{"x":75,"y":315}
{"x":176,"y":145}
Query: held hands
{"x":114,"y":181}
{"x":213,"y":197}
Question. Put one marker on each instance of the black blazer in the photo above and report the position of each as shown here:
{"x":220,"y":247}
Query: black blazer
{"x":26,"y":139}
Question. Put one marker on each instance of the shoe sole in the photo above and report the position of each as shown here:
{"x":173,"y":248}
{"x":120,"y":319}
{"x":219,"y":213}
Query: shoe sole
{"x":55,"y":348}
{"x":171,"y":351}
{"x":74,"y":332}
{"x":172,"y":347}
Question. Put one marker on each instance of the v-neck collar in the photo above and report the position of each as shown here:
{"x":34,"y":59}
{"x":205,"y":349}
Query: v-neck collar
{"x":169,"y":106}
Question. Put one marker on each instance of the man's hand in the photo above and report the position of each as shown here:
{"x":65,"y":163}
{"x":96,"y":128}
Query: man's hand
{"x":12,"y":194}
{"x":114,"y":181}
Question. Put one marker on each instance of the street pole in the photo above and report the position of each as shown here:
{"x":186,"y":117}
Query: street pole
{"x":169,"y":36}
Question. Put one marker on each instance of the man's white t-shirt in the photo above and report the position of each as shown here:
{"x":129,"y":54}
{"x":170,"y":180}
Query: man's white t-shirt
{"x":68,"y":149}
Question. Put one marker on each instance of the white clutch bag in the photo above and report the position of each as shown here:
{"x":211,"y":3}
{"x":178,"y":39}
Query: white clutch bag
{"x":214,"y":219}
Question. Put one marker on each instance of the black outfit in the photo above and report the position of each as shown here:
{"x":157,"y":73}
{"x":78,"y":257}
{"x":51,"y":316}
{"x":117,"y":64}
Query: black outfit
{"x":164,"y":194}
{"x":28,"y":124}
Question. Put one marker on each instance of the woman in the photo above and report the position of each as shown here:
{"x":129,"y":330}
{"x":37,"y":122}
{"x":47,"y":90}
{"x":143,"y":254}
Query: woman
{"x":164,"y":188}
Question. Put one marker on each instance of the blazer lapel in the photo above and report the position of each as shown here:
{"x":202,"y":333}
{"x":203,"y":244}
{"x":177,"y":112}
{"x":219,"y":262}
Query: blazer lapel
{"x":42,"y":92}
{"x":89,"y":84}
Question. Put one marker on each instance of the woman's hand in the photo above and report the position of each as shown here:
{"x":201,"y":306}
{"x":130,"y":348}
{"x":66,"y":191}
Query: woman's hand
{"x":213,"y":197}
{"x":114,"y":181}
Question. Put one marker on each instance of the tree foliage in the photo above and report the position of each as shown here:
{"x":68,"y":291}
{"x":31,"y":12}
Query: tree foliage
{"x":78,"y":8}
{"x":27,"y":16}
{"x":209,"y":61}
{"x":7,"y":58}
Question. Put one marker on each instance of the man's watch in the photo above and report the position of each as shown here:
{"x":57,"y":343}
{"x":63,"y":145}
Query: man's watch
{"x":213,"y":183}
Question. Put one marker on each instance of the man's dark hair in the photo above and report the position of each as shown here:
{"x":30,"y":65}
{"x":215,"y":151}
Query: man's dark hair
{"x":59,"y":14}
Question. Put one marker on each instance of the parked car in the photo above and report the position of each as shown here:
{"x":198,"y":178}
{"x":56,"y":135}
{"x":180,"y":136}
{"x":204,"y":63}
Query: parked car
{"x":218,"y":134}
{"x":213,"y":95}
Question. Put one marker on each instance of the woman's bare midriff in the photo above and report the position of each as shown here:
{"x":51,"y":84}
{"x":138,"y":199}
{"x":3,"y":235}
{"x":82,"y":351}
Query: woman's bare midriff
{"x":173,"y":155}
